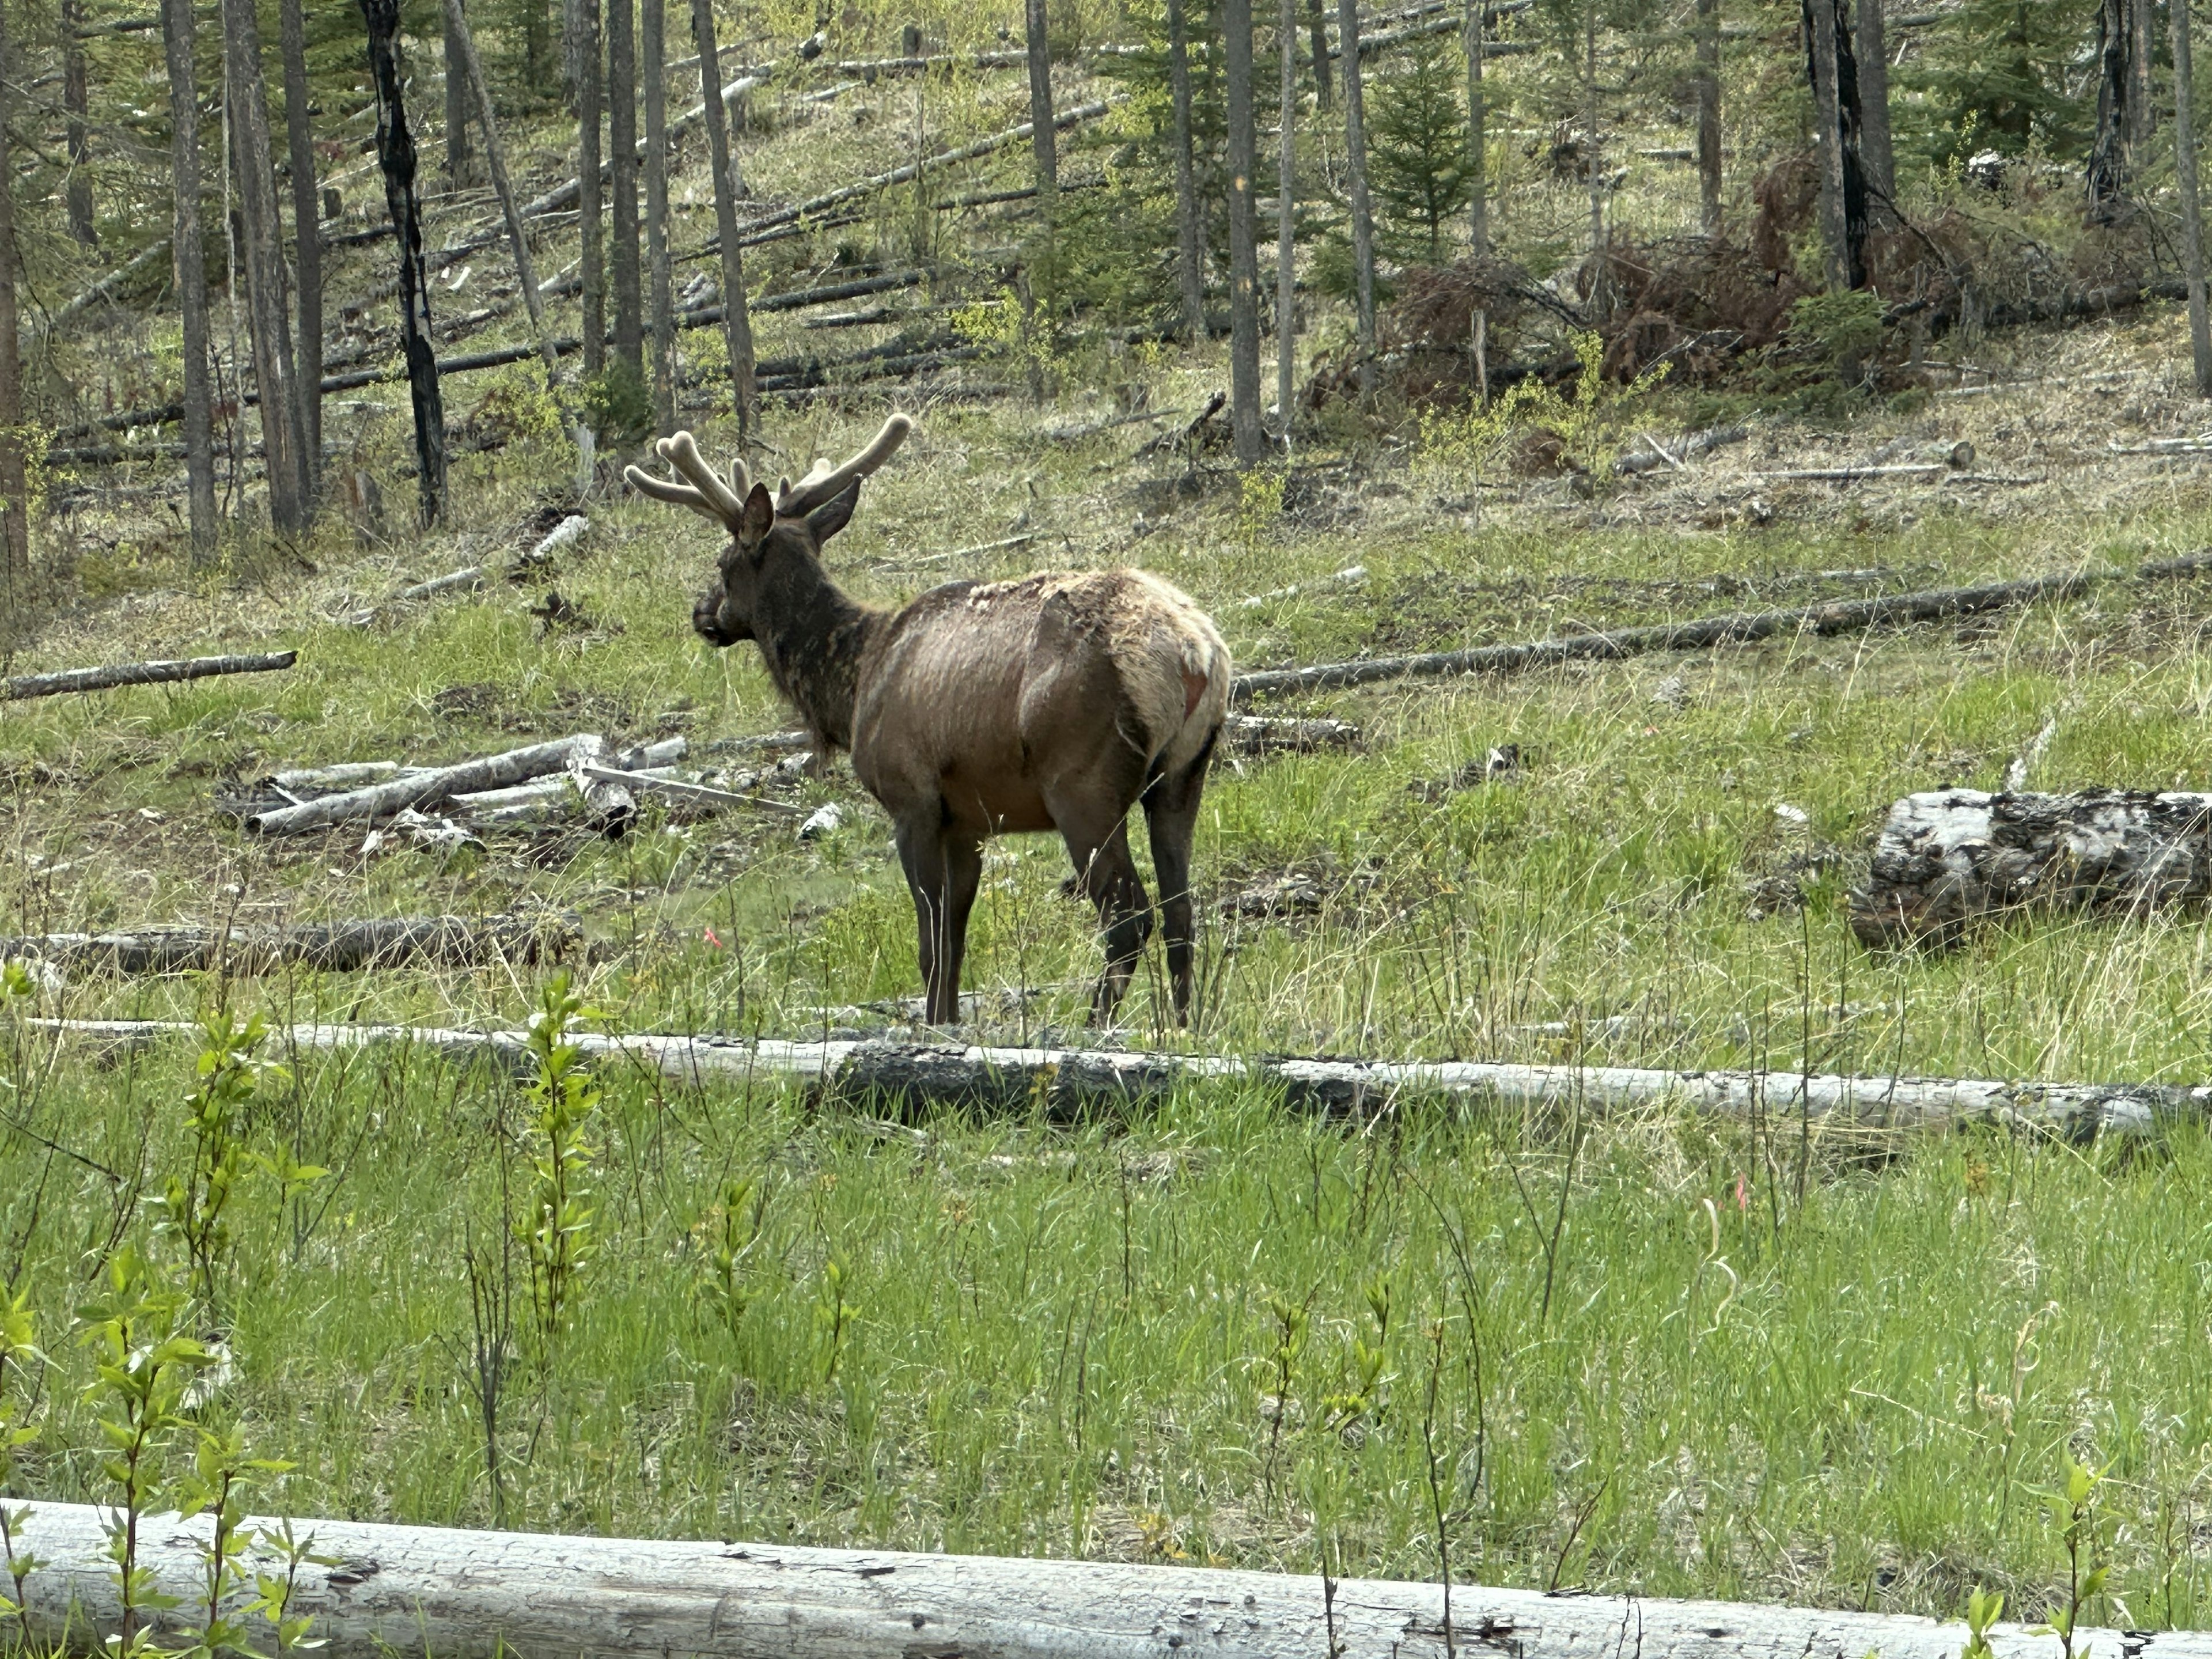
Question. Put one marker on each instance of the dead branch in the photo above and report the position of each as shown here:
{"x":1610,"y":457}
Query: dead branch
{"x":143,"y":673}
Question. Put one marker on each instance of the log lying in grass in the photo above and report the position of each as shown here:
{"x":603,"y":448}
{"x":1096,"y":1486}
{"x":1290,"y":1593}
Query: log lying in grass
{"x":1261,"y":734}
{"x":473,"y":1595}
{"x":1739,"y":628}
{"x":1947,"y":857}
{"x":453,"y":582}
{"x":919,"y":1076}
{"x":421,"y":789}
{"x":342,"y":947}
{"x":141,"y":673}
{"x":1694,"y":443}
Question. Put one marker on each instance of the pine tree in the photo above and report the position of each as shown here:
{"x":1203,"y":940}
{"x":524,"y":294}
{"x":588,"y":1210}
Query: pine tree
{"x":1418,"y":162}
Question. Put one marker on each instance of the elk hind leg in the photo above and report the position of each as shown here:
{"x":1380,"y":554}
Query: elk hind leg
{"x":1171,"y":825}
{"x":1099,"y":846}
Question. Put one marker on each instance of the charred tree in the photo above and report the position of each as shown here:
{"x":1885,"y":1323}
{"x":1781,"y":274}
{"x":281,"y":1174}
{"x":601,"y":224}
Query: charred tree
{"x":660,"y":280}
{"x":2107,"y":172}
{"x":1355,"y":171}
{"x":736,"y":323}
{"x":1709,"y":115}
{"x":262,"y":248}
{"x":307,"y":237}
{"x":1286,"y":291}
{"x":525,"y":269}
{"x":460,"y":163}
{"x":590,"y":207}
{"x":2192,"y":218}
{"x":1876,"y":157}
{"x":76,"y":104}
{"x":622,"y":142}
{"x":2141,"y":113}
{"x":1243,"y":236}
{"x":1044,"y":146}
{"x":1189,"y":250}
{"x":1478,"y":157}
{"x":14,"y":504}
{"x":395,"y":151}
{"x":1324,"y":81}
{"x":1832,"y":72}
{"x":190,"y":263}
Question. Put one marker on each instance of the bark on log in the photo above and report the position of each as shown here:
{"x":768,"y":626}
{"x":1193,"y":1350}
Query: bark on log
{"x":341,"y":947}
{"x":1696,"y":443}
{"x":427,"y":788}
{"x":695,"y":794}
{"x":473,"y":1595}
{"x":917,"y":1077}
{"x":141,"y":673}
{"x":1835,"y":616}
{"x":1949,"y":857}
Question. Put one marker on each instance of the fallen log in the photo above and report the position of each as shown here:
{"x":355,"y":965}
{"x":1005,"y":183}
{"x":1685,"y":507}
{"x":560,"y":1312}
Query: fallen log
{"x":453,"y":583}
{"x":1853,"y":474}
{"x":1737,"y":628}
{"x":421,"y":789}
{"x":1263,"y":735}
{"x":372,"y":1589}
{"x":1695,"y":444}
{"x":1947,"y":858}
{"x":342,"y":947}
{"x":143,"y":673}
{"x":696,"y":794}
{"x":923,"y":1075}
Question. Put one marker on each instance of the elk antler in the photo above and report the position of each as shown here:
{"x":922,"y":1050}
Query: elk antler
{"x":706,"y":495}
{"x":826,"y":482}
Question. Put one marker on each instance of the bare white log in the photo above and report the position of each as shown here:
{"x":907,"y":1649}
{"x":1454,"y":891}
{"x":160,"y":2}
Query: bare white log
{"x":916,"y":1076}
{"x":565,"y":534}
{"x":1696,"y":443}
{"x":140,"y":673}
{"x":1350,"y":576}
{"x":474,"y":1595}
{"x":695,"y":794}
{"x":653,"y":760}
{"x":423,"y":789}
{"x":452,"y":582}
{"x":333,"y":947}
{"x":345,"y":774}
{"x":1949,"y":857}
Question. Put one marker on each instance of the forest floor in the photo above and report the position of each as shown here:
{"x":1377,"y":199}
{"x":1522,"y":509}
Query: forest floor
{"x":1675,"y":1356}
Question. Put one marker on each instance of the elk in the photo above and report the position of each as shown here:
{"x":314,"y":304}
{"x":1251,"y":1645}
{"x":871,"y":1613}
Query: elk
{"x":1057,"y":701}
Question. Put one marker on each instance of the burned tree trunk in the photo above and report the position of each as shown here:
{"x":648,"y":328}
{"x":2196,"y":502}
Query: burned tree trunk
{"x":1355,"y":170}
{"x":77,"y":103}
{"x":1950,"y":857}
{"x":461,"y":162}
{"x":308,"y":236}
{"x":2141,"y":114}
{"x":270,"y":325}
{"x":1317,"y":32}
{"x":590,"y":205}
{"x":395,"y":149}
{"x":660,"y":277}
{"x":1477,"y":154}
{"x":1876,"y":155}
{"x":1709,"y":115}
{"x":2192,"y":219}
{"x":1286,"y":158}
{"x":1833,"y":75}
{"x":736,"y":323}
{"x":15,"y":506}
{"x":622,"y":142}
{"x":525,"y":269}
{"x":1043,"y":140}
{"x":191,"y":266}
{"x":1189,"y":269}
{"x":2106,"y":174}
{"x":1243,"y":237}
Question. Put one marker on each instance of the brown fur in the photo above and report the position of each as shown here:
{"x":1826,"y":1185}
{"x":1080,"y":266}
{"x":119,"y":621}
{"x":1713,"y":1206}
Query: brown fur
{"x":1054,"y":702}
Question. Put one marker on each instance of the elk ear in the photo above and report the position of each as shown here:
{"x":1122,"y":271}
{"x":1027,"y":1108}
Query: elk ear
{"x":758,"y":517}
{"x":833,"y":515}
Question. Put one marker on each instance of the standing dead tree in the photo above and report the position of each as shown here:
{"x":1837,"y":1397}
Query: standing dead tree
{"x":1190,"y":273}
{"x":2106,"y":174}
{"x":1709,"y":115}
{"x":395,"y":149}
{"x":591,"y":206}
{"x":76,"y":102}
{"x":622,"y":143}
{"x":525,"y":269}
{"x":14,"y":507}
{"x":1355,"y":169}
{"x":1243,"y":237}
{"x":308,"y":236}
{"x":2192,"y":219}
{"x":737,"y":325}
{"x":1876,"y":156}
{"x":190,"y":264}
{"x":1833,"y":72}
{"x":652,"y":29}
{"x":1286,"y":292}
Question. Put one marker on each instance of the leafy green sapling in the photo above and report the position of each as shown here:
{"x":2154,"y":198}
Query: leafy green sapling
{"x":19,"y":1352}
{"x":195,"y":1205}
{"x":222,"y":1470}
{"x":564,"y":1099}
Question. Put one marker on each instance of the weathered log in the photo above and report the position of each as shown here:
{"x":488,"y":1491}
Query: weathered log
{"x":694,"y":795}
{"x":342,"y":947}
{"x":423,"y":789}
{"x":1696,"y":443}
{"x":1261,"y":734}
{"x":453,"y":582}
{"x":1833,"y":617}
{"x":1949,"y":857}
{"x":391,"y":1590}
{"x":920,"y":1076}
{"x":1853,"y":474}
{"x":345,"y":774}
{"x":143,"y":673}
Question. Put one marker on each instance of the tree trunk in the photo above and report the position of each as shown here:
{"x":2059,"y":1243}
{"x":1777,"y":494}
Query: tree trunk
{"x":15,"y":503}
{"x":1355,"y":169}
{"x":1477,"y":154}
{"x":518,"y":235}
{"x":1286,"y":158}
{"x":1044,"y":143}
{"x":460,"y":164}
{"x":2141,"y":110}
{"x":307,"y":240}
{"x":2192,"y":219}
{"x":1876,"y":158}
{"x":659,"y":273}
{"x":267,"y":318}
{"x":590,"y":207}
{"x":736,"y":323}
{"x":1189,"y":252}
{"x":77,"y":103}
{"x":1324,"y":78}
{"x":1950,"y":857}
{"x":1243,"y":237}
{"x":1823,"y":45}
{"x":536,"y":42}
{"x":1709,"y":115}
{"x":395,"y":149}
{"x":189,"y":261}
{"x":2106,"y":174}
{"x":621,"y":140}
{"x":1600,"y":289}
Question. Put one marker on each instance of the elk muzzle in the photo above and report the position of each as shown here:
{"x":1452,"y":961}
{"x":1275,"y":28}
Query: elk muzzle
{"x":707,"y":621}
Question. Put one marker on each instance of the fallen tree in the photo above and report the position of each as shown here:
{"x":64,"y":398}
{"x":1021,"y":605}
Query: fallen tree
{"x":421,"y":789}
{"x":143,"y":673}
{"x":372,"y":1589}
{"x":916,"y":1076}
{"x":342,"y":947}
{"x":1737,"y":628}
{"x":1949,"y":857}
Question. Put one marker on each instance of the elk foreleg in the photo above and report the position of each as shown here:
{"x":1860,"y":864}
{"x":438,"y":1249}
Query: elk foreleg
{"x":943,"y":871}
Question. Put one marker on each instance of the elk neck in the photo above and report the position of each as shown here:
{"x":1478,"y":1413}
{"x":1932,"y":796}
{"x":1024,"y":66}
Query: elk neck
{"x":813,"y":635}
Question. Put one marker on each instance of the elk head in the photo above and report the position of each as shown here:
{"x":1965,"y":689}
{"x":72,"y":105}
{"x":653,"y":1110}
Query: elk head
{"x":768,"y":536}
